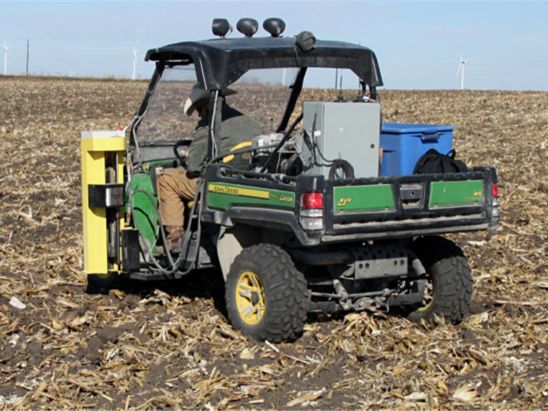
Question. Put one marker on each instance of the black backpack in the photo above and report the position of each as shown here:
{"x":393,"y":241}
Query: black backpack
{"x":433,"y":162}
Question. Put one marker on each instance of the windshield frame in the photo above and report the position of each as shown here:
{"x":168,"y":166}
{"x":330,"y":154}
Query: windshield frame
{"x":296,"y":89}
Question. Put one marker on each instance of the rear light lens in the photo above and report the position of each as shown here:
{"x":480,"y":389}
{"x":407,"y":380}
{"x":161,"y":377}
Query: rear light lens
{"x":312,"y":223}
{"x":311,"y":214}
{"x":495,"y":190}
{"x":495,"y":213}
{"x":312,"y":200}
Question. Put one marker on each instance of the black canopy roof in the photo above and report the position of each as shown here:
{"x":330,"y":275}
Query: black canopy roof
{"x":220,"y":62}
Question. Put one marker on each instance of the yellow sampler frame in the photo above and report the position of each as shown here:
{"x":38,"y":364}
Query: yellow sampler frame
{"x":102,"y":161}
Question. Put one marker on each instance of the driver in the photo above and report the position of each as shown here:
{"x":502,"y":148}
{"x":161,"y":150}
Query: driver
{"x":177,"y":184}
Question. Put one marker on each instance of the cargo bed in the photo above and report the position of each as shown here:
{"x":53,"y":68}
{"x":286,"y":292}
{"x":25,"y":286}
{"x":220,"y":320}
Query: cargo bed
{"x":389,"y":207}
{"x":357,"y":209}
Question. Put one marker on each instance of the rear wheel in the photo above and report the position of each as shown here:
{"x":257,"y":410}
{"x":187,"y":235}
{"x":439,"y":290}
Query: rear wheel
{"x":266,"y":296}
{"x":449,"y":292}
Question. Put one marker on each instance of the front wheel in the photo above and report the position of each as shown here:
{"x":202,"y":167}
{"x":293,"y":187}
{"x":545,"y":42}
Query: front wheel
{"x":266,"y":296}
{"x":450,"y":280}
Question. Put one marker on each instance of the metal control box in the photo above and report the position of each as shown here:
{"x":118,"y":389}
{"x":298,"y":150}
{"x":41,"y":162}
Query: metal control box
{"x":348,"y":131}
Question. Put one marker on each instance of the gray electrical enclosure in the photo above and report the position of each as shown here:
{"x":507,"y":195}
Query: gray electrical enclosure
{"x":348,"y":131}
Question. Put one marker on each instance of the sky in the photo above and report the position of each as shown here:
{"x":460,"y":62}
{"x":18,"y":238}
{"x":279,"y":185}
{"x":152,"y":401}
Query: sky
{"x":417,"y":43}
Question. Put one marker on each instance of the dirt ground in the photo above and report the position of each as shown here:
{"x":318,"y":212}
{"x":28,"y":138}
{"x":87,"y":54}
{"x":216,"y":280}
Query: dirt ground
{"x":170,"y":344}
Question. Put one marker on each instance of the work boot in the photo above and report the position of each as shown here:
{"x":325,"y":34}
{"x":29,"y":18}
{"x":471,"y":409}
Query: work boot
{"x":174,"y":237}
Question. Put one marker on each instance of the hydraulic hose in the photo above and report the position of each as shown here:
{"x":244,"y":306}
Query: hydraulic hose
{"x":175,"y":265}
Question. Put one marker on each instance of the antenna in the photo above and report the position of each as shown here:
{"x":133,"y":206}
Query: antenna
{"x":462,"y":63}
{"x":134,"y":73}
{"x":340,"y":97}
{"x":28,"y":57}
{"x":5,"y":48}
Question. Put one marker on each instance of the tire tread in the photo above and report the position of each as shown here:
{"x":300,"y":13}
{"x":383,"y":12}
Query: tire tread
{"x":452,"y":278}
{"x":286,"y":292}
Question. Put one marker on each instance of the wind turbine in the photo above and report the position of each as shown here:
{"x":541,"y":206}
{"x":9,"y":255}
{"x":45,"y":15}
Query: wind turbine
{"x":6,"y":48}
{"x":134,"y":73}
{"x":462,"y":63}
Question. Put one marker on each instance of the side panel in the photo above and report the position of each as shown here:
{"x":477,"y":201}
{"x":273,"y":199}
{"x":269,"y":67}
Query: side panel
{"x":448,"y":193}
{"x":145,"y":216}
{"x":222,"y":196}
{"x":363,"y":198}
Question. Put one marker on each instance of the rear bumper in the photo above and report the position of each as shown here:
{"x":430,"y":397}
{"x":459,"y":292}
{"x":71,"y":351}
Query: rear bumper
{"x":401,"y":233}
{"x":408,"y":227}
{"x":286,"y":221}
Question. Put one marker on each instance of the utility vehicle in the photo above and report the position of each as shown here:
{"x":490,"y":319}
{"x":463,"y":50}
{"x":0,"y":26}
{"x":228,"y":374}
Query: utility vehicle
{"x":309,"y":224}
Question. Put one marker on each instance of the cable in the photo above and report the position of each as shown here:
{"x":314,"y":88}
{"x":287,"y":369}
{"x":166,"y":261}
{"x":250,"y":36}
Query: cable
{"x":177,"y":263}
{"x":162,"y":231}
{"x":344,"y":167}
{"x":212,"y":125}
{"x":186,"y":238}
{"x":282,"y":142}
{"x":313,"y":147}
{"x":242,"y":151}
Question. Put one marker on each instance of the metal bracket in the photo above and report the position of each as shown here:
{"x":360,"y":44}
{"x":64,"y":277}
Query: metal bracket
{"x":130,"y":250}
{"x":380,"y":261}
{"x":106,"y":195}
{"x":412,"y":195}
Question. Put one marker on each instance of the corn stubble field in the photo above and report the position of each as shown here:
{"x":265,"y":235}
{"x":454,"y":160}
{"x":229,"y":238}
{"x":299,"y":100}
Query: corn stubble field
{"x":170,"y":344}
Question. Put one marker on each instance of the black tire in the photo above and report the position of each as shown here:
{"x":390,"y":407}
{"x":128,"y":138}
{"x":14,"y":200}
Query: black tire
{"x":450,"y":277}
{"x":280,"y":310}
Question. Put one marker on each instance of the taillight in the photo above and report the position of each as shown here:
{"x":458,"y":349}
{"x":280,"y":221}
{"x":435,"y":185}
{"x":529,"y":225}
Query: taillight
{"x":495,"y":213}
{"x":312,"y":200}
{"x":495,"y":190}
{"x":311,"y":214}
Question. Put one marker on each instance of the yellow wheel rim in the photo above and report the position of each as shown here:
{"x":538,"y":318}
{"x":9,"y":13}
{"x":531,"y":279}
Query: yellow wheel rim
{"x":425,"y":308}
{"x":250,"y":298}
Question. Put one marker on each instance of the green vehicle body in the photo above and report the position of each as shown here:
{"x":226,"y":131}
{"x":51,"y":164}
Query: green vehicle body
{"x":347,"y":251}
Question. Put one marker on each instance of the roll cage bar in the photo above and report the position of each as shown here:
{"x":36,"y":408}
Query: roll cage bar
{"x":220,"y":62}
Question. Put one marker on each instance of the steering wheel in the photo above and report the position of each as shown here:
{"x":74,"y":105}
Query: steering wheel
{"x":180,"y":149}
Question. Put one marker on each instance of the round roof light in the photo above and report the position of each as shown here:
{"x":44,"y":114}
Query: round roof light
{"x":221,"y":27}
{"x":305,"y":40}
{"x":247,"y":26}
{"x":274,"y":26}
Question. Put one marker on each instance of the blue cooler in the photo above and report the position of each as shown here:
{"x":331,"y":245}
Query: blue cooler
{"x":403,"y":144}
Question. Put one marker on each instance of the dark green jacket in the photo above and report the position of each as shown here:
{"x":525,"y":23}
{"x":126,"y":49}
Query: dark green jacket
{"x":235,"y":129}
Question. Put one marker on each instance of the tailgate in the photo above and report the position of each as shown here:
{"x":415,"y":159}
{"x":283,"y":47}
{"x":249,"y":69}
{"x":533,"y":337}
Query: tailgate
{"x":410,"y":205}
